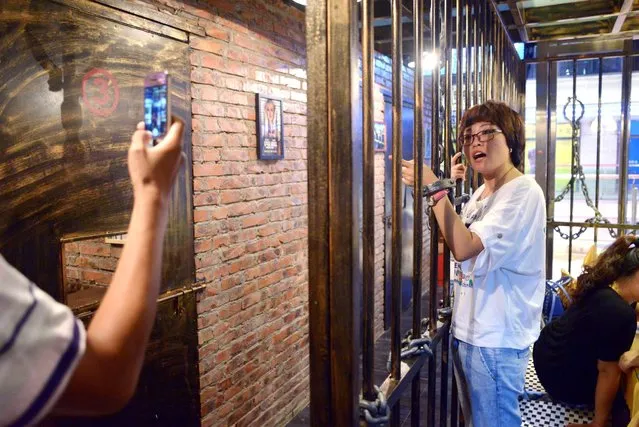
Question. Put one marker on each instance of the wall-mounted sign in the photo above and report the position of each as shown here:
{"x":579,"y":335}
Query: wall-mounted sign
{"x":270,"y":129}
{"x":379,"y":136}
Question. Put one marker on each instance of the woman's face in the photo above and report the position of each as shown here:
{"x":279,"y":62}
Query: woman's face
{"x":270,"y":111}
{"x":486,"y":157}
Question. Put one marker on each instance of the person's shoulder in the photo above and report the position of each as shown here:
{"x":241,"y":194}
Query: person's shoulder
{"x":528,"y":186}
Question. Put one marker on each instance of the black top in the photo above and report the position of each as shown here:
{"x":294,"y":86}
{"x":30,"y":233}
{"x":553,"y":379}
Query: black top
{"x":601,"y":326}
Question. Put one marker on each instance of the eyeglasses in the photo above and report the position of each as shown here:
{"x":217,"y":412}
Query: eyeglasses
{"x":482,"y":136}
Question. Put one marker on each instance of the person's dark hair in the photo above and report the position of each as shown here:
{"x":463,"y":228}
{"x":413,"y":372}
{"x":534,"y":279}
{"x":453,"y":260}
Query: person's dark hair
{"x":621,"y":259}
{"x":502,"y":116}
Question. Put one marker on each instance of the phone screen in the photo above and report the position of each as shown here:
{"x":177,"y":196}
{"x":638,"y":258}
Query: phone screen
{"x":155,"y":109}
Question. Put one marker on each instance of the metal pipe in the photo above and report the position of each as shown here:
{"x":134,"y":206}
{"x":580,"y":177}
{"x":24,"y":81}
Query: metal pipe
{"x":476,"y":40}
{"x":598,"y":162}
{"x":432,"y":309}
{"x":550,"y":118}
{"x":368,"y":201}
{"x":497,"y":68}
{"x":485,"y":51}
{"x":434,"y":229}
{"x":459,"y":76}
{"x":626,"y":82}
{"x":418,"y":208}
{"x":468,"y":52}
{"x":572,"y":157}
{"x":468,"y":81}
{"x":460,"y":84}
{"x":578,"y":56}
{"x":448,"y":97}
{"x":486,"y":55}
{"x":633,"y":215}
{"x":396,"y":292}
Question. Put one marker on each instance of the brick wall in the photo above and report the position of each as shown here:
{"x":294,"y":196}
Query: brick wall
{"x":90,"y":263}
{"x":250,"y":216}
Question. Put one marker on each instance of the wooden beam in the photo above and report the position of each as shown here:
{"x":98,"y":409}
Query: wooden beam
{"x":152,"y":13}
{"x":125,"y":18}
{"x":625,"y":8}
{"x":519,"y":20}
{"x":334,"y":297}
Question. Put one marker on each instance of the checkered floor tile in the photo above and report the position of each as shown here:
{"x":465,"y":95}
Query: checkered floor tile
{"x":540,"y":413}
{"x":537,"y":410}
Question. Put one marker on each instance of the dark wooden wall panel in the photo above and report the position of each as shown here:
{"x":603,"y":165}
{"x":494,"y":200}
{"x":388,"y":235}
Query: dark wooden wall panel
{"x":70,"y":96}
{"x":64,"y":135}
{"x":168,"y":394}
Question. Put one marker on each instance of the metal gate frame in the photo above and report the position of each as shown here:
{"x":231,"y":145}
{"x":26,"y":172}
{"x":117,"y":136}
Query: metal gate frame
{"x":548,"y":54}
{"x":336,"y":294}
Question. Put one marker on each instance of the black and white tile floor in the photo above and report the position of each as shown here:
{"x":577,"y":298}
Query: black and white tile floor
{"x":538,"y":410}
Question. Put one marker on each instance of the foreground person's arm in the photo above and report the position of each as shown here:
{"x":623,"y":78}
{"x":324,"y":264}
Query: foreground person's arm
{"x":116,"y":339}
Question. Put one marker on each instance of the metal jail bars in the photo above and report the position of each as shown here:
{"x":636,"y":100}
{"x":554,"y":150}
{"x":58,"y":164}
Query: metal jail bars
{"x":341,"y":302}
{"x":580,"y":210}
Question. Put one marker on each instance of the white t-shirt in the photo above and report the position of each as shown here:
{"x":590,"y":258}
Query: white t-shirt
{"x":41,"y":343}
{"x":499,"y":293}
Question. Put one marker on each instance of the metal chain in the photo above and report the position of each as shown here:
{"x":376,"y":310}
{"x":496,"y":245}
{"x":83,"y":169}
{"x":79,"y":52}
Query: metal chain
{"x":375,"y":412}
{"x":577,"y":172}
{"x":410,"y":347}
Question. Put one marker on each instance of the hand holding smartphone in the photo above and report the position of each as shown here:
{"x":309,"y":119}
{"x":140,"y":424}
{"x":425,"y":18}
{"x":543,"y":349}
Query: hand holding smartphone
{"x":458,"y":170}
{"x":157,"y":105}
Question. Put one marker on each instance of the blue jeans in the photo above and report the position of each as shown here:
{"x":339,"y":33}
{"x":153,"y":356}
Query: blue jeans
{"x":490,"y":381}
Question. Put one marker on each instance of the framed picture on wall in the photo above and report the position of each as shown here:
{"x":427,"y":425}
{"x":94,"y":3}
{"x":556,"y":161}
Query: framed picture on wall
{"x":379,"y":136}
{"x":270,"y":128}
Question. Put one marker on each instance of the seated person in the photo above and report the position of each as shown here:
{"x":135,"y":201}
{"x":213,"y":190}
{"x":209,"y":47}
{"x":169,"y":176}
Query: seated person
{"x":577,"y":355}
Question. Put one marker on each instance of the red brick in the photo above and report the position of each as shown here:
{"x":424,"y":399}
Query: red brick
{"x":208,"y":45}
{"x":208,"y":169}
{"x":97,"y":276}
{"x":205,"y":92}
{"x":238,"y":55}
{"x":235,"y":155}
{"x":208,"y":140}
{"x":239,"y":209}
{"x":217,"y":33}
{"x":205,"y":199}
{"x":94,"y":248}
{"x":207,"y":108}
{"x":230,"y":196}
{"x":234,"y":83}
{"x":233,"y":253}
{"x":205,"y":75}
{"x":254,"y":220}
{"x":229,"y":125}
{"x":251,"y":299}
{"x":246,"y":42}
{"x":220,"y":213}
{"x":202,"y":245}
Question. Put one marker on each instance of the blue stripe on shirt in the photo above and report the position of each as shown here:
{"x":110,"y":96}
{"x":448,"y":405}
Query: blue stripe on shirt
{"x":20,"y":324}
{"x":53,"y":382}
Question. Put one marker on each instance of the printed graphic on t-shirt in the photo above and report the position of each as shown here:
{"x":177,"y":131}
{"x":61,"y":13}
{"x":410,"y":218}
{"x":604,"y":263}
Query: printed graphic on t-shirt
{"x":464,"y":280}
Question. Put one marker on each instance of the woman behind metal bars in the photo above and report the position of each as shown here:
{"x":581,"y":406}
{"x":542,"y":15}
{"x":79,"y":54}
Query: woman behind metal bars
{"x":579,"y":357}
{"x":499,"y":247}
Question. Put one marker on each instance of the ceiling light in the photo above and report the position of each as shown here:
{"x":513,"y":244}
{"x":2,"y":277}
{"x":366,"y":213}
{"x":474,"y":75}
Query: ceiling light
{"x":429,"y":61}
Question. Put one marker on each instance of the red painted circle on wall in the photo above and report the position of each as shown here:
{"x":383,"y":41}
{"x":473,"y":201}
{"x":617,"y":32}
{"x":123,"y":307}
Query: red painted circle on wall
{"x":100,"y":92}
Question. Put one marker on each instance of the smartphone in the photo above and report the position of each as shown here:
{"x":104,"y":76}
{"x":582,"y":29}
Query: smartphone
{"x":157,"y":104}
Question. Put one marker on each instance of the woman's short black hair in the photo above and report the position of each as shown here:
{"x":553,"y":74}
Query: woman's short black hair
{"x":502,"y":116}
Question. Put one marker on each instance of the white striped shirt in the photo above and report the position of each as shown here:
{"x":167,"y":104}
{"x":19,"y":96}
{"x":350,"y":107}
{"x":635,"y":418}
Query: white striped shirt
{"x":41,"y":343}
